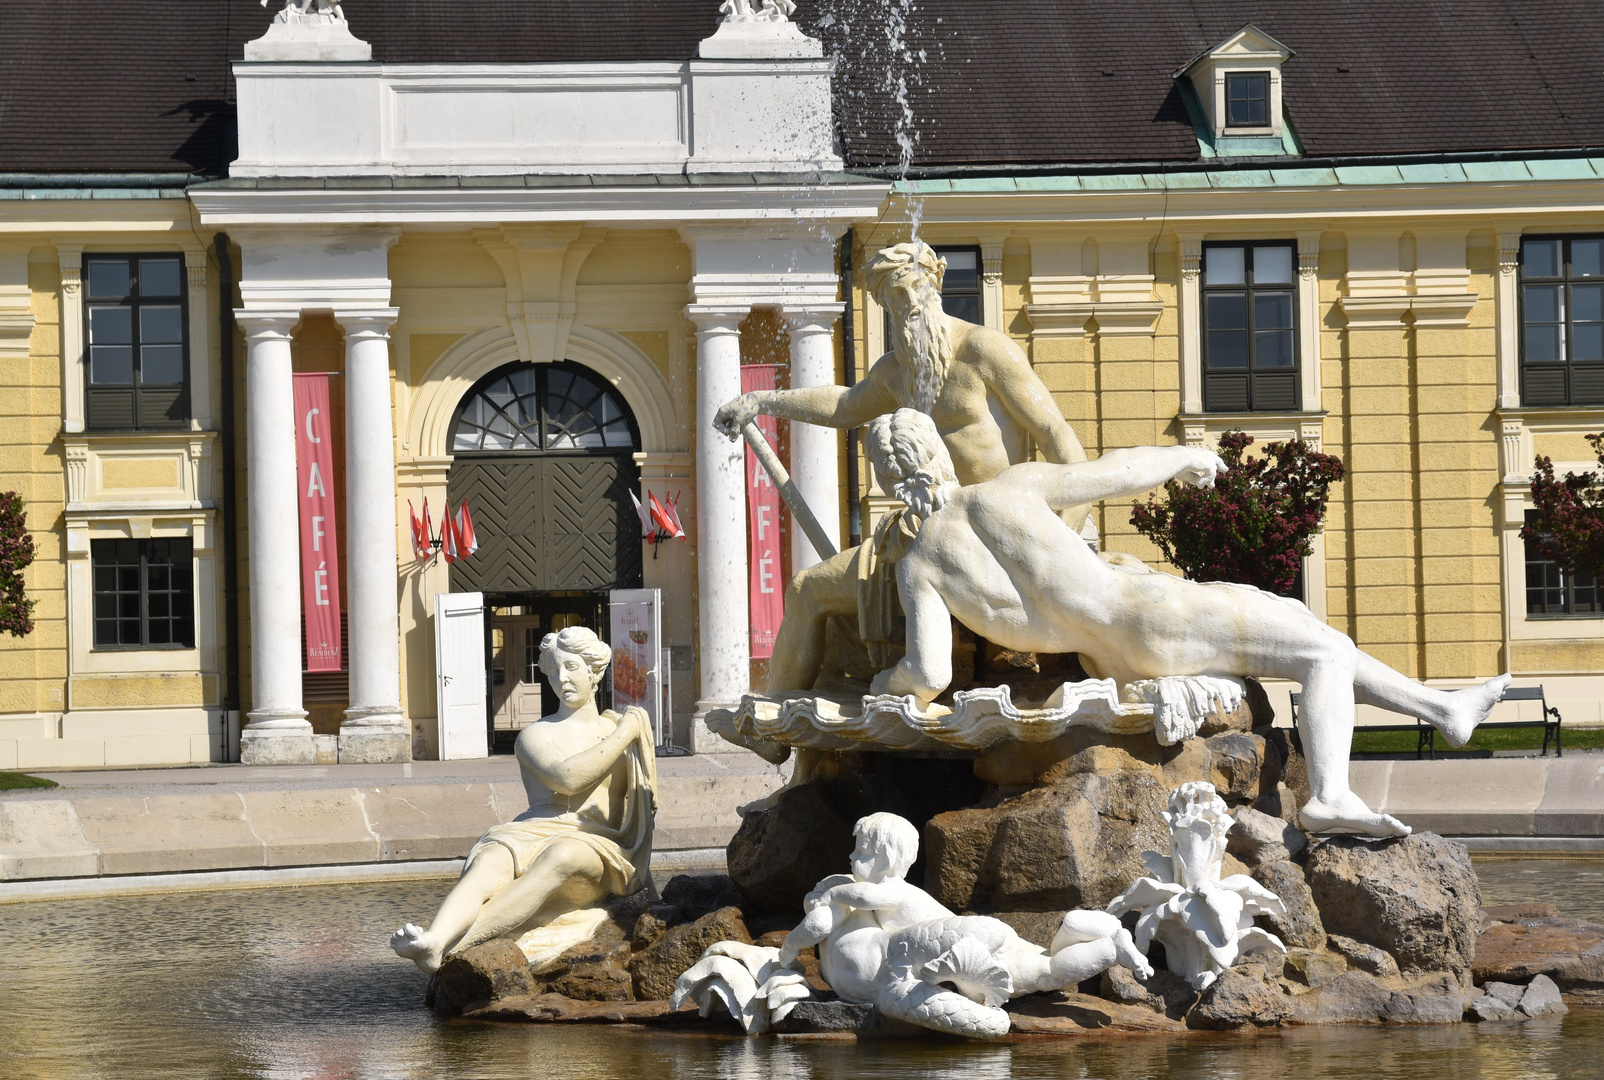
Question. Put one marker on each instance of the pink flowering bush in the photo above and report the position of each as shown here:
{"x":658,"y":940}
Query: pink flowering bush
{"x":1254,"y":525}
{"x":16,"y":552}
{"x":1570,"y":514}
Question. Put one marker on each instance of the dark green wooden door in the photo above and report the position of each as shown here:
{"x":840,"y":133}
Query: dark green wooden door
{"x":548,"y":523}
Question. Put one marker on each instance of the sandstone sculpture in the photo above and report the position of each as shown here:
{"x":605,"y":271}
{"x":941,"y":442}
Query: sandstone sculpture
{"x":886,"y":942}
{"x":1203,"y":922}
{"x":996,"y":556}
{"x":591,"y":778}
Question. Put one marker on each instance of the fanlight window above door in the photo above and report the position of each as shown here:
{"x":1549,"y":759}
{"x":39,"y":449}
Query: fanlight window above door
{"x":533,"y":408}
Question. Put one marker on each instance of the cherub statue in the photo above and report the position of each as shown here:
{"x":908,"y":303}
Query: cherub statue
{"x":766,"y":11}
{"x":884,"y":941}
{"x":997,"y":557}
{"x":591,"y":778}
{"x":299,"y":10}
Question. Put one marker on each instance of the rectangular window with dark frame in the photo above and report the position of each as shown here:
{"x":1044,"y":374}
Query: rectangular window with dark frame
{"x":1250,"y":341}
{"x":1247,"y":99}
{"x":144,"y":594}
{"x":136,"y":322}
{"x":1552,"y":592}
{"x":1562,"y":320}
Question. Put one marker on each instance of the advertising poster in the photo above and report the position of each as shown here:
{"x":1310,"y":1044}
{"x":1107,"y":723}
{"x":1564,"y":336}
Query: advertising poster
{"x":636,"y":653}
{"x":320,"y":565}
{"x":764,"y":564}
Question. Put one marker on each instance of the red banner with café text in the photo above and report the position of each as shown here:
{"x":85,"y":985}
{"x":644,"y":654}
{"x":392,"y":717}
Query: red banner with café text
{"x":765,"y":565}
{"x":320,"y":565}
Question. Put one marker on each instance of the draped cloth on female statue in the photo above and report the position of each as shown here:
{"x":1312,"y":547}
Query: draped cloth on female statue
{"x":879,"y":604}
{"x":625,"y":849}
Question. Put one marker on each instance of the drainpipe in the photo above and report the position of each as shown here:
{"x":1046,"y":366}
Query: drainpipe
{"x":849,"y":354}
{"x":228,"y":436}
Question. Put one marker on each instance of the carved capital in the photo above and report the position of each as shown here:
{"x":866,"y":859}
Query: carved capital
{"x":991,"y":257}
{"x":71,"y":278}
{"x":1309,"y":255}
{"x":1191,"y":258}
{"x":1508,"y":251}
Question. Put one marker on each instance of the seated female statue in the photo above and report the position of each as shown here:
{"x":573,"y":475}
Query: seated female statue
{"x":592,"y":779}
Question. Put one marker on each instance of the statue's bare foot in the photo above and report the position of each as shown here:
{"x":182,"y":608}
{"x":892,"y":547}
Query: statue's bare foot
{"x":414,"y":943}
{"x":1130,"y":956}
{"x":1349,"y":814}
{"x":1469,"y":707}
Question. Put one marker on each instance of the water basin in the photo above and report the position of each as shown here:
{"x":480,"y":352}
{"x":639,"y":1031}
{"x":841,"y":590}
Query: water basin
{"x":298,"y":983}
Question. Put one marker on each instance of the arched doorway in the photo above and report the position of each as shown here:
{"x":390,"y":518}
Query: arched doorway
{"x":544,"y":454}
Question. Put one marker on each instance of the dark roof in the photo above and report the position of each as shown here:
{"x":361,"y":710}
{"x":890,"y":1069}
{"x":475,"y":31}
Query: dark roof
{"x":125,"y":86}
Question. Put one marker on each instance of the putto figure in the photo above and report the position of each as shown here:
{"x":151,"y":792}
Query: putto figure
{"x":592,"y":781}
{"x":307,"y":10}
{"x":884,"y":941}
{"x":998,"y":557}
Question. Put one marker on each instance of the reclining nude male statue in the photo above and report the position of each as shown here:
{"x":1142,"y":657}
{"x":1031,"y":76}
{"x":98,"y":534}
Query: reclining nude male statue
{"x":886,"y":942}
{"x":988,"y":404}
{"x":996,"y":556}
{"x":592,"y":782}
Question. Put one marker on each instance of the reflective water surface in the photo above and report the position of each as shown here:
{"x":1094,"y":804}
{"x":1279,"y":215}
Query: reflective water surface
{"x":298,"y":983}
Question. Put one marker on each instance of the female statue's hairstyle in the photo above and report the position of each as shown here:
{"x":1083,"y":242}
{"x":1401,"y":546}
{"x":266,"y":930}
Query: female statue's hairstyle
{"x":910,"y":460}
{"x":893,"y":835}
{"x":581,"y":642}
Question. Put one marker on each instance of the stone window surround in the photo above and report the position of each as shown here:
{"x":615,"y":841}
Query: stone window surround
{"x":74,"y":353}
{"x":1517,"y":450}
{"x":182,"y":511}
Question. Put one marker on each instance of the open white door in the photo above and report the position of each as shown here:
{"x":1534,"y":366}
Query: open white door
{"x":459,"y":664}
{"x":636,"y":629}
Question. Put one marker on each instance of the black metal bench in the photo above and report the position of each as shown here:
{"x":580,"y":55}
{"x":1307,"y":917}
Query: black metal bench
{"x":1426,"y":735}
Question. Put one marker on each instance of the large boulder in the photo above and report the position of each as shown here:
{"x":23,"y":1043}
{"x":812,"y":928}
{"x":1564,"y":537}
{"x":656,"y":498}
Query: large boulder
{"x":1236,"y":765}
{"x":1358,"y":997}
{"x":1416,"y":897}
{"x":1300,"y":927}
{"x":779,"y":854}
{"x":656,"y":969}
{"x":1075,"y":843}
{"x":1258,"y":838}
{"x":1517,"y":949}
{"x":1242,"y":997}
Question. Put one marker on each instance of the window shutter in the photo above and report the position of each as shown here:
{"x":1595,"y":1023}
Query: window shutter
{"x":1544,"y":386}
{"x":1275,"y":391}
{"x":1587,"y":385}
{"x":1226,"y":393}
{"x":111,"y":407}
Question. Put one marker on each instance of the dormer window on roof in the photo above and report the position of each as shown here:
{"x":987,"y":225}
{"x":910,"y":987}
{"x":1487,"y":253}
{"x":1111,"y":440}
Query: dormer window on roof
{"x":1237,"y":87}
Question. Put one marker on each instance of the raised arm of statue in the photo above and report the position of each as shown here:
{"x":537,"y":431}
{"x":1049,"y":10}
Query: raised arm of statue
{"x":1119,"y":474}
{"x":579,"y":772}
{"x":826,"y":406}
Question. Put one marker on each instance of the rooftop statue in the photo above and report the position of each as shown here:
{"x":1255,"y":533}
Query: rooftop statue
{"x":997,"y":557}
{"x":591,"y":778}
{"x":986,"y":401}
{"x":306,"y":10}
{"x":765,"y":11}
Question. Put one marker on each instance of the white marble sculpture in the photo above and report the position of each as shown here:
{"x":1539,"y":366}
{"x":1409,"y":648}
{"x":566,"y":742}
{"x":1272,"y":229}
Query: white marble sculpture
{"x":1203,"y":922}
{"x":886,"y":942}
{"x":591,"y":778}
{"x":997,"y":556}
{"x":762,"y":11}
{"x":303,"y":10}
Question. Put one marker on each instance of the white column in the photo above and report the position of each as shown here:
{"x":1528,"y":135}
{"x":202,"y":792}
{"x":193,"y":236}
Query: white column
{"x":277,"y":732}
{"x":374,"y":729}
{"x":726,"y":657}
{"x":815,"y":453}
{"x":74,"y":407}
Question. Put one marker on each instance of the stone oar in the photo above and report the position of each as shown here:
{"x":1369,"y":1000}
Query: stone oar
{"x":793,"y":498}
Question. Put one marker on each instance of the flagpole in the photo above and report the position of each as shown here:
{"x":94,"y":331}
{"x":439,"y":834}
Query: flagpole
{"x":793,"y":498}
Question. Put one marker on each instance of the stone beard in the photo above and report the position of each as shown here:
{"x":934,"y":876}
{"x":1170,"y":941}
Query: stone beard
{"x":923,"y":342}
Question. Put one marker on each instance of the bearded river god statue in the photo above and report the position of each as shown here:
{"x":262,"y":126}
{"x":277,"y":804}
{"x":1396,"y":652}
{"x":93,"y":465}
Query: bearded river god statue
{"x":986,"y":400}
{"x":591,"y":778}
